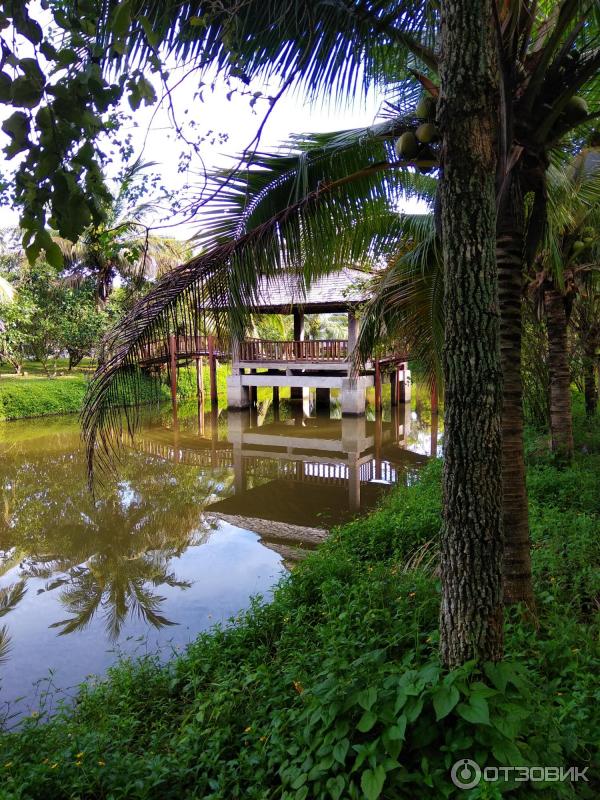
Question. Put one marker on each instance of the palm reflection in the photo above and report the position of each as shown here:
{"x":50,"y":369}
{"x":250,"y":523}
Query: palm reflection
{"x":108,"y":559}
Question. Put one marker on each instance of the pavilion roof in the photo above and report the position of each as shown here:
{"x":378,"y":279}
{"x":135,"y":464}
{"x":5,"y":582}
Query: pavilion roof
{"x":338,"y":291}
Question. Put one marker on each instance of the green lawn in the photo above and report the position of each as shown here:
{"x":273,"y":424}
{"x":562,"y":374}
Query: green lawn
{"x":35,"y":394}
{"x":335,"y":691}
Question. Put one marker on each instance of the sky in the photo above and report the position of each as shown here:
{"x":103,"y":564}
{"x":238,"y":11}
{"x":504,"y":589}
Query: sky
{"x":227,"y":123}
{"x":155,"y":139}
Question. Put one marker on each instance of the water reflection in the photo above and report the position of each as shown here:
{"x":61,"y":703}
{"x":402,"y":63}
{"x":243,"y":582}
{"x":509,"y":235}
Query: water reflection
{"x":207,"y":513}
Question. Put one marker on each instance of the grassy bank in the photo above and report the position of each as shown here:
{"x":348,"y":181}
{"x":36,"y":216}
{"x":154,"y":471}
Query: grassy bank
{"x":36,"y":394}
{"x":334,"y":690}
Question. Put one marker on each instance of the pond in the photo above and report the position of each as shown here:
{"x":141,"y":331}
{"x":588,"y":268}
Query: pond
{"x":201,"y":517}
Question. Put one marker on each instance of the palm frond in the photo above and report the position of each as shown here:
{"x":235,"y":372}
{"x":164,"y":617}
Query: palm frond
{"x":273,"y":181}
{"x":337,"y":46}
{"x":406,"y":308}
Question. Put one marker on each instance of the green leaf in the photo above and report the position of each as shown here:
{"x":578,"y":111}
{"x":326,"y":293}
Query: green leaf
{"x":444,"y":700}
{"x":367,"y":721}
{"x":54,"y":255}
{"x":121,"y":19}
{"x":340,"y":750}
{"x":367,"y":697}
{"x":146,"y":91}
{"x":5,"y":85}
{"x":335,"y":786}
{"x":396,"y":732}
{"x":476,"y":711}
{"x":499,"y":674}
{"x":25,"y":92}
{"x":17,"y":128}
{"x":371,"y":782}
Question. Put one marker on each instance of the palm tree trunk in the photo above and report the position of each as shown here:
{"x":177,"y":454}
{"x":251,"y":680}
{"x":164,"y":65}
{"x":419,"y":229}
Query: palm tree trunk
{"x":561,"y":421}
{"x":589,"y":383}
{"x":471,"y":621}
{"x":517,"y":583}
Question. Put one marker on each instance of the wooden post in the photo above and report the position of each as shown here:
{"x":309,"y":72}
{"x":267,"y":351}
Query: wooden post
{"x":378,"y":403}
{"x":173,"y":373}
{"x":212,"y":371}
{"x":276,"y":403}
{"x":378,"y":438}
{"x":394,"y":387}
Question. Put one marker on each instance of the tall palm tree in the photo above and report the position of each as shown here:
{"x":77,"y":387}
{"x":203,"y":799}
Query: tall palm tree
{"x":122,"y":246}
{"x":561,"y":267}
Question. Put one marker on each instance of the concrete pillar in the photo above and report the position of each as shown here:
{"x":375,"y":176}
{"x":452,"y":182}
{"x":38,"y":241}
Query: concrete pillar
{"x":323,"y":398}
{"x":405,"y":385}
{"x":353,"y":396}
{"x":296,"y":391}
{"x":352,"y":330}
{"x":405,"y":423}
{"x":238,"y":396}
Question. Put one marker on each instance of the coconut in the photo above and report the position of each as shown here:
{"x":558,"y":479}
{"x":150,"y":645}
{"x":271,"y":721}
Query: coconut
{"x":427,"y":132}
{"x":589,"y":240}
{"x":425,"y":108}
{"x":576,"y":108}
{"x":407,"y":145}
{"x":578,"y":246}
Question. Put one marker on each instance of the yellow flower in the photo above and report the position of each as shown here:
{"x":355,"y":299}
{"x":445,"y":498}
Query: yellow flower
{"x":80,"y":755}
{"x":8,"y":765}
{"x":101,"y":763}
{"x":298,"y":687}
{"x":78,"y":763}
{"x":248,"y":729}
{"x":53,"y":766}
{"x":45,"y":760}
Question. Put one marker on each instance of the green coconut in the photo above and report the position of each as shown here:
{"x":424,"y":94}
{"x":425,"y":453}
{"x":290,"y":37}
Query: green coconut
{"x":578,"y":246}
{"x":576,"y":108}
{"x":426,"y":108}
{"x":588,"y":240}
{"x":407,"y":145}
{"x":427,"y":132}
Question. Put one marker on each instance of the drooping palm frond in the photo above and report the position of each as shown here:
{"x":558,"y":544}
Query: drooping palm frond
{"x":406,"y":307}
{"x":11,"y":596}
{"x":273,"y":181}
{"x":4,"y":643}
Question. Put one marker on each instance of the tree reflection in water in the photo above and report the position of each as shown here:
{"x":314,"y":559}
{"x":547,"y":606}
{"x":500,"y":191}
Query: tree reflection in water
{"x":110,"y":557}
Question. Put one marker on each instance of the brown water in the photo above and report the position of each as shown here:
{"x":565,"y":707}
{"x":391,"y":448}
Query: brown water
{"x":201,"y":519}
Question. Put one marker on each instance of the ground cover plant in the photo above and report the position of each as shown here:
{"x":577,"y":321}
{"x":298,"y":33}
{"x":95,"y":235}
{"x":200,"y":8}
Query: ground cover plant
{"x":335,"y":689}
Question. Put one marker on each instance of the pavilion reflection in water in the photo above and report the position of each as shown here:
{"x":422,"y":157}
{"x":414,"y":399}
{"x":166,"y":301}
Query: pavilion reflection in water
{"x":293,"y":479}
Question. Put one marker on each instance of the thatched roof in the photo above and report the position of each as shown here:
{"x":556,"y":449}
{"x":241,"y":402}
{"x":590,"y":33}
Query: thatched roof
{"x":339,"y":291}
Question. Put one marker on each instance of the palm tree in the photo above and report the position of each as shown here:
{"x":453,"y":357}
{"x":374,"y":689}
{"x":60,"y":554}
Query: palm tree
{"x":560,"y":270}
{"x":122,"y":245}
{"x":540,"y":72}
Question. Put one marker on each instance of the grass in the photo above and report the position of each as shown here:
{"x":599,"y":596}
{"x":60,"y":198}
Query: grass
{"x":334,"y":690}
{"x":37,"y":394}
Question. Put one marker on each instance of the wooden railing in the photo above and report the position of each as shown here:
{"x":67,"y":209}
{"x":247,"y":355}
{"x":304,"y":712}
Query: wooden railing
{"x":309,"y":350}
{"x":185,"y":346}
